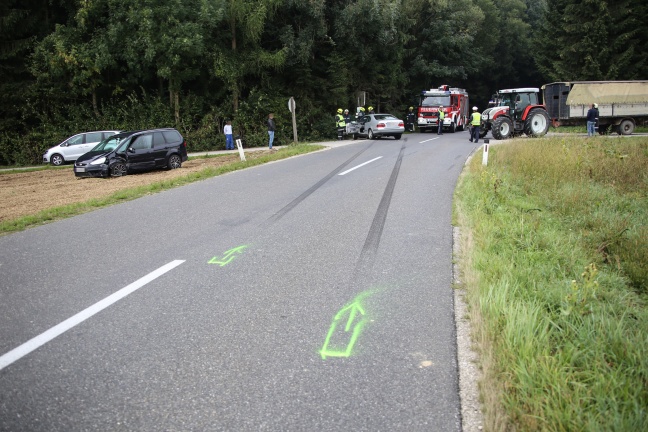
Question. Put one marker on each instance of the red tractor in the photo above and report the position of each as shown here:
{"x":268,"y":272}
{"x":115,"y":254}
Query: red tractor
{"x":516,"y":111}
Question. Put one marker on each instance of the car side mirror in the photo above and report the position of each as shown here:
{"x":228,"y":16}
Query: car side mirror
{"x":131,"y":150}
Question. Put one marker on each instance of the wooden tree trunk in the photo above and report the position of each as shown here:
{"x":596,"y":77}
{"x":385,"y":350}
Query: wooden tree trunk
{"x":94,"y":103}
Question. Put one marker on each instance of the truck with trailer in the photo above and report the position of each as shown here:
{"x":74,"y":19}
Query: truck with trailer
{"x":621,"y":104}
{"x":455,"y":105}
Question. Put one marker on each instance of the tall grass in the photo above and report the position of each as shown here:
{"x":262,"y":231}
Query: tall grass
{"x":555,"y":260}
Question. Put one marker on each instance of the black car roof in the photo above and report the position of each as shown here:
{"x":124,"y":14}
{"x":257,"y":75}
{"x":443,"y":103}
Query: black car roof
{"x":129,"y":133}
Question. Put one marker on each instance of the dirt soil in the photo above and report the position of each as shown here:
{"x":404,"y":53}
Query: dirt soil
{"x":27,"y":193}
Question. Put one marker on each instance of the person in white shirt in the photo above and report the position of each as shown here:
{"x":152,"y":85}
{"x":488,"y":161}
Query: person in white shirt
{"x":229,"y":139}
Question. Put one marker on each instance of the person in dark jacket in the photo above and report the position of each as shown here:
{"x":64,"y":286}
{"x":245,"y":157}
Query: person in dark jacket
{"x":592,"y":116}
{"x":347,"y":116}
{"x":411,"y":119}
{"x":271,"y":129}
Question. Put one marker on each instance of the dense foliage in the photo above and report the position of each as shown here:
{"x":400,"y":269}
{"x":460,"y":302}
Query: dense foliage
{"x":70,"y":66}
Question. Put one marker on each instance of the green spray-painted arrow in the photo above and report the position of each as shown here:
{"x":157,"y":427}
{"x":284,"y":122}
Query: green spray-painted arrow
{"x":227,"y":257}
{"x":352,"y":310}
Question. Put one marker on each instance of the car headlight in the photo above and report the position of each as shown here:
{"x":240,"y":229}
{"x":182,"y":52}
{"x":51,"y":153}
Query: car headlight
{"x":98,"y":161}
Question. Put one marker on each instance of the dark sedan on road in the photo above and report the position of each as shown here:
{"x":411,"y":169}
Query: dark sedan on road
{"x":133,"y":151}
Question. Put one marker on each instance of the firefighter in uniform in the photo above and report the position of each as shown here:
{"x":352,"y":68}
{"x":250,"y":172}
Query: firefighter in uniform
{"x":360,"y":118}
{"x":340,"y":124}
{"x":475,"y":122}
{"x":411,"y":117}
{"x":347,"y":116}
{"x":441,"y":117}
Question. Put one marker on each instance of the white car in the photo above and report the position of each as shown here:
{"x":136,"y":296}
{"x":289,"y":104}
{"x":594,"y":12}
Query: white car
{"x":75,"y":146}
{"x":374,"y":126}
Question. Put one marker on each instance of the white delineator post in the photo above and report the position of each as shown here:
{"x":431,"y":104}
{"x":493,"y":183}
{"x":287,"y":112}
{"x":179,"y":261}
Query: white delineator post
{"x":485,"y":154}
{"x":239,"y":146}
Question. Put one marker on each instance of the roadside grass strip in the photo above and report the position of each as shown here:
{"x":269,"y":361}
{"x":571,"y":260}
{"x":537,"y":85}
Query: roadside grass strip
{"x":554,"y":261}
{"x":61,"y":212}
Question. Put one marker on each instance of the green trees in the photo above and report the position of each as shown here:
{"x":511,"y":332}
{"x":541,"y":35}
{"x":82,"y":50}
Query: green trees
{"x":593,"y":40}
{"x":93,"y":64}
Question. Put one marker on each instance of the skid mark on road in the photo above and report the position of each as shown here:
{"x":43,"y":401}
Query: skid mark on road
{"x":294,"y":203}
{"x":368,"y":253}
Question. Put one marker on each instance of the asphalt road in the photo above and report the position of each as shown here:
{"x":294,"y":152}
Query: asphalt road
{"x":312,"y":293}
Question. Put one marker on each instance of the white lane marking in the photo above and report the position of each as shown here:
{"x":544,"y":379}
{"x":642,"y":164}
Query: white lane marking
{"x":43,"y":338}
{"x":431,"y":139}
{"x":358,"y":166}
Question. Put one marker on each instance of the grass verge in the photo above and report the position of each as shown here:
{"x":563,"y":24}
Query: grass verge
{"x":554,"y":253}
{"x":583,"y":129}
{"x":57,"y":213}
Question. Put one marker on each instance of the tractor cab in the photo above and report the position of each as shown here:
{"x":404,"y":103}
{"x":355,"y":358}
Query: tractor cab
{"x":518,"y":100}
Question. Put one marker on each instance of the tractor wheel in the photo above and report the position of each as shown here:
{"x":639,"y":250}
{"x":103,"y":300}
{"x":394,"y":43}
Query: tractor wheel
{"x":502,"y":128}
{"x":626,"y":127}
{"x":483,"y":133}
{"x":537,"y":123}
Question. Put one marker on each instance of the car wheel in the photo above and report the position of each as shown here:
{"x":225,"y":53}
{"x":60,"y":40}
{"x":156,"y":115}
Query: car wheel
{"x":370,"y":134}
{"x":118,"y":169}
{"x":355,"y":136}
{"x":57,"y":159}
{"x":174,"y":162}
{"x":397,"y":136}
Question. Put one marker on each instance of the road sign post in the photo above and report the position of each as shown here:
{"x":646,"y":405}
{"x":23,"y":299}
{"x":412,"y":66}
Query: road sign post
{"x":292,"y":108}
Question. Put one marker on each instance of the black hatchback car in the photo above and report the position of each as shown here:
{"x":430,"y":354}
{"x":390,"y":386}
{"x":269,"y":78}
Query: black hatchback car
{"x":127,"y":152}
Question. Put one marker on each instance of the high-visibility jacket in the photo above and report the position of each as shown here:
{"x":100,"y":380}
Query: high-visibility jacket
{"x":475,"y":119}
{"x":441,"y":115}
{"x":339,"y":121}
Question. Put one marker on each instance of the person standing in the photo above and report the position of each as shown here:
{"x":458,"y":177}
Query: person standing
{"x":592,"y":115}
{"x":441,"y":118}
{"x":229,"y":139}
{"x":347,"y":116}
{"x":340,"y":124}
{"x":411,"y":118}
{"x":271,"y":129}
{"x":475,"y":122}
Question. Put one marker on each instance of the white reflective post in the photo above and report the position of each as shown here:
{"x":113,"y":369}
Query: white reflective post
{"x":239,"y":146}
{"x":485,"y":154}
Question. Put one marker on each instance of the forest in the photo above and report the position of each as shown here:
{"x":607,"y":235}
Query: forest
{"x":71,"y":66}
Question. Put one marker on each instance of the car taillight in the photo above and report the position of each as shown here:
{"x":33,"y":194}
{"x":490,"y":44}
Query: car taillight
{"x":401,"y":124}
{"x":184,"y":143}
{"x":380,"y":125}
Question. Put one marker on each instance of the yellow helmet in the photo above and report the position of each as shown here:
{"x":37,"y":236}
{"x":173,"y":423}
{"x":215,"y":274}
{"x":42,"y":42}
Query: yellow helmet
{"x":370,"y":108}
{"x":362,"y":109}
{"x":339,"y":110}
{"x":411,"y":108}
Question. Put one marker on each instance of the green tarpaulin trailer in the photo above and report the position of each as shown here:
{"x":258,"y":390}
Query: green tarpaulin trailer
{"x":621,"y":104}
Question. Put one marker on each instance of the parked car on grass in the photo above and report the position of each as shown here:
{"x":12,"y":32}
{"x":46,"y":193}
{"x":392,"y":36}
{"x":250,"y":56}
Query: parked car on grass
{"x":73,"y":147}
{"x":133,"y":151}
{"x":377,"y":126}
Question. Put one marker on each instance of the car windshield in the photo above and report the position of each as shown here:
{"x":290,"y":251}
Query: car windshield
{"x":385,"y":117}
{"x":109,"y":144}
{"x":435,"y":101}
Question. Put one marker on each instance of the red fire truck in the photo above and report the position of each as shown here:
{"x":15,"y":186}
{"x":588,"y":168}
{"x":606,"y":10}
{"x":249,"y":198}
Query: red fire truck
{"x":455,"y":105}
